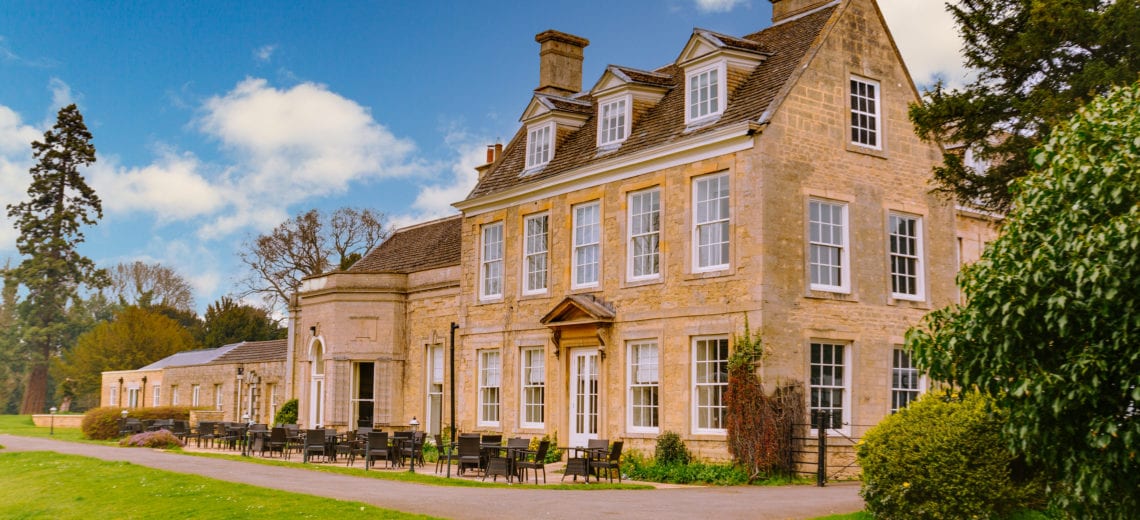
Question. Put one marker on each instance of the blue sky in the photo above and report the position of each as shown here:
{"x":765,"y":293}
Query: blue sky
{"x":216,"y":120}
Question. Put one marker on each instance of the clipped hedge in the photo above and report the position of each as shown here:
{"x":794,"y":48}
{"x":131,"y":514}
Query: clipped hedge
{"x":942,"y":457}
{"x":103,"y":423}
{"x":287,"y":414}
{"x":671,"y":450}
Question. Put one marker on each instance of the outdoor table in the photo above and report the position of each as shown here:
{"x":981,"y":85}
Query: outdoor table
{"x":578,"y":463}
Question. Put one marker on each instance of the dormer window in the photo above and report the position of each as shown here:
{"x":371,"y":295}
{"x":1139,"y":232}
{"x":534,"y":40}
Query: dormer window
{"x":539,"y":145}
{"x":613,"y":121}
{"x":705,"y":93}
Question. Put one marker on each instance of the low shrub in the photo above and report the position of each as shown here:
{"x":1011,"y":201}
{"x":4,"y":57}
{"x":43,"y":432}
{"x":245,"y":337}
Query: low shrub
{"x":553,"y":454}
{"x":671,"y":449}
{"x":104,"y":423}
{"x":943,"y":457}
{"x":156,"y":439}
{"x":287,"y":414}
{"x":637,"y":467}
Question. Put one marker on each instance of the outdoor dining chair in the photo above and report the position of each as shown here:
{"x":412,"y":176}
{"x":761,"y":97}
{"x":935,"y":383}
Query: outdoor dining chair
{"x":278,"y":441}
{"x":377,"y":448}
{"x":447,"y":454}
{"x":314,"y":444}
{"x":469,"y":452}
{"x":609,"y":464}
{"x":534,"y":459}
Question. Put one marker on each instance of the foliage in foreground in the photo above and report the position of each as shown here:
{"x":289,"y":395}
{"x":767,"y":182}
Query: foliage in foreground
{"x":941,"y":458}
{"x":761,"y":427}
{"x":103,"y":423}
{"x":637,"y":467}
{"x":1037,"y":62}
{"x":1053,"y":314}
{"x":32,"y":484}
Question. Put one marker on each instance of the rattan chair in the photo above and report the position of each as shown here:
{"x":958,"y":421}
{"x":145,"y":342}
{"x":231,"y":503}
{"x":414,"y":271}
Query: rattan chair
{"x":377,"y":448}
{"x":314,"y":444}
{"x":608,"y":464}
{"x":534,"y":459}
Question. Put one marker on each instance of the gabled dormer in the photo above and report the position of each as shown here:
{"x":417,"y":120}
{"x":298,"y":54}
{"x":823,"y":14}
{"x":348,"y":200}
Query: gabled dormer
{"x":623,"y":94}
{"x":715,"y":64}
{"x":549,"y":119}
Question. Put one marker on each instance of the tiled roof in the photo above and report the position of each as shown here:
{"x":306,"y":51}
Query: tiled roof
{"x":643,"y":76}
{"x":578,"y":105}
{"x":415,"y":248}
{"x":664,"y":123}
{"x":190,"y":357}
{"x":254,"y":352}
{"x":733,"y":42}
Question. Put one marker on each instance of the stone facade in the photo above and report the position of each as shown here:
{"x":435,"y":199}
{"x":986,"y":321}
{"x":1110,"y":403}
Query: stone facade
{"x":222,"y":379}
{"x":627,"y":356}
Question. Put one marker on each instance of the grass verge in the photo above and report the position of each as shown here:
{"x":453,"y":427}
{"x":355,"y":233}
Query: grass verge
{"x":50,"y":485}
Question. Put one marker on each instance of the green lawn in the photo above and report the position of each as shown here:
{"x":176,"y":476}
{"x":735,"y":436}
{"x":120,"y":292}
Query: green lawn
{"x":50,"y":485}
{"x":23,"y":425}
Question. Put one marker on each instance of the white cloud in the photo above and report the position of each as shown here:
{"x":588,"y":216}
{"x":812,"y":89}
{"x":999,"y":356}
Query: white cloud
{"x":928,"y":40}
{"x":61,"y":95}
{"x":718,"y":6}
{"x":434,"y":200}
{"x":264,"y":53}
{"x":172,"y":187}
{"x":15,"y":159}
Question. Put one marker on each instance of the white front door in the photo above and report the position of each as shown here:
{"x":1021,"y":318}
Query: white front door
{"x":584,"y":401}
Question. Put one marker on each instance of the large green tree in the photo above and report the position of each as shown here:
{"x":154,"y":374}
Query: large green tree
{"x":53,"y":271}
{"x":230,"y":322}
{"x":1036,"y":61}
{"x":135,"y":338}
{"x":12,"y":355}
{"x":1051,"y":327}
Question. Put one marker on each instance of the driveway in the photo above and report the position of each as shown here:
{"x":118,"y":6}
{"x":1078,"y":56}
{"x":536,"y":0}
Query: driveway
{"x":752,"y":502}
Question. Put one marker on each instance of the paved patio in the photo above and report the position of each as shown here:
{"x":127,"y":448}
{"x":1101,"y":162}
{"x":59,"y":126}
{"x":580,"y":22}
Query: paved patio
{"x":785,"y":502}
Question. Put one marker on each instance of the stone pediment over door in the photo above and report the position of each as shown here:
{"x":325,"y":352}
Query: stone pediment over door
{"x":580,"y":318}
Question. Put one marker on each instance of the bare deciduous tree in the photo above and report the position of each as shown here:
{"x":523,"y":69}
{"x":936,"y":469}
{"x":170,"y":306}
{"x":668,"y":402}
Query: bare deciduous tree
{"x":306,"y":245}
{"x":145,"y":285}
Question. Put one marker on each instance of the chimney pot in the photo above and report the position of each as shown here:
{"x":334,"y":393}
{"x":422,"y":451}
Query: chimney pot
{"x":560,"y":62}
{"x":490,"y":153}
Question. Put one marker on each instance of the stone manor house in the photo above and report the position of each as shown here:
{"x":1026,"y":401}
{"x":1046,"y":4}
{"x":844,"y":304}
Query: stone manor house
{"x":597,"y":273}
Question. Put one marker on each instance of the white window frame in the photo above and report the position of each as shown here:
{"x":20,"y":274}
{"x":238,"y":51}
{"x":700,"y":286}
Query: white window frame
{"x":539,"y":145}
{"x":490,"y":388}
{"x":173,"y":395}
{"x":614,"y":116}
{"x":218,"y":397}
{"x":643,"y":375}
{"x":897,"y":256}
{"x":707,"y":214}
{"x":532,"y":380}
{"x":195,"y":395}
{"x":156,"y":393}
{"x":536,"y":254}
{"x":866,"y":119}
{"x":906,"y":381}
{"x":826,"y":380}
{"x":817,"y":244}
{"x":584,"y":244}
{"x":637,"y":202}
{"x":491,"y":261}
{"x":721,"y":92}
{"x":715,"y":385}
{"x":113,"y":397}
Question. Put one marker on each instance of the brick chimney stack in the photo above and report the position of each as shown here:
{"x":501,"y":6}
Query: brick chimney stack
{"x":782,"y":9}
{"x":560,"y":62}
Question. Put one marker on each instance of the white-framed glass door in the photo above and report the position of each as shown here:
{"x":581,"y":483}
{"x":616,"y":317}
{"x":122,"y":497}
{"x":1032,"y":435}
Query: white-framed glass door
{"x":584,"y":399}
{"x":435,"y":389}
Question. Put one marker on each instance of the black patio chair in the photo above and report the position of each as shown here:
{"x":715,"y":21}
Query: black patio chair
{"x":377,"y":448}
{"x":278,"y":441}
{"x":534,"y":459}
{"x":469,"y":453}
{"x":314,"y":444}
{"x":447,"y":454}
{"x":609,"y":464}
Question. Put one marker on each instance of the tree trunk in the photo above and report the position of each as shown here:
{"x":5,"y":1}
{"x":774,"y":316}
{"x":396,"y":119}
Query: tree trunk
{"x":35,"y":390}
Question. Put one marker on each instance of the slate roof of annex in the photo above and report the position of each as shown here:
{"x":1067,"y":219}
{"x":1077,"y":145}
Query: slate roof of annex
{"x":664,"y":123}
{"x":254,"y":352}
{"x":430,"y":245}
{"x":191,"y":357}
